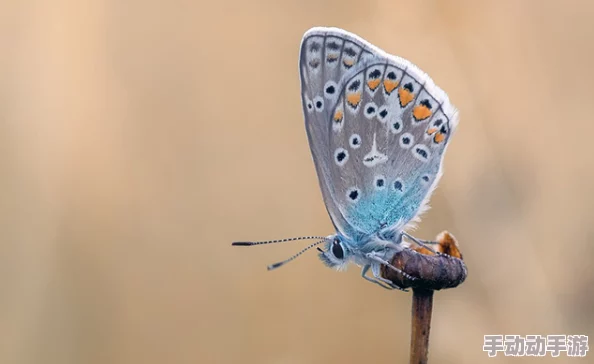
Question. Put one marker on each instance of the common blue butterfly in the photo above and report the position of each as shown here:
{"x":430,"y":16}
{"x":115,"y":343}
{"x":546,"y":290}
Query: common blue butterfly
{"x":378,"y":128}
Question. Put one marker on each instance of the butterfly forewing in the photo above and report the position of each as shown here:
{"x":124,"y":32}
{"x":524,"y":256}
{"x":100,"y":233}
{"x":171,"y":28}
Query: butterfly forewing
{"x":325,"y":58}
{"x":378,"y":128}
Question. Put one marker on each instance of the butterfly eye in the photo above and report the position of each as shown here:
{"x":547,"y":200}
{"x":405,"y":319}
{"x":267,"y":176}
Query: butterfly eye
{"x":337,"y":250}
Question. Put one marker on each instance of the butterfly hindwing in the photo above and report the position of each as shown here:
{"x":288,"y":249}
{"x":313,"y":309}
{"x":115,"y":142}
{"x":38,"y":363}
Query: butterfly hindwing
{"x":378,"y":139}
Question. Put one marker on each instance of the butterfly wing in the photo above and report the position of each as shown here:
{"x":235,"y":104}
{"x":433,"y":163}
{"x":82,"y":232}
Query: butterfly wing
{"x":378,"y":128}
{"x":326,"y":56}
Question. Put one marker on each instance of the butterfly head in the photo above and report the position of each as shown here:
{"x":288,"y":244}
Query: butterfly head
{"x":337,"y":252}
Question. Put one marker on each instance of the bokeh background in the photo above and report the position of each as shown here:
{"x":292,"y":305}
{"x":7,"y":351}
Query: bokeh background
{"x":139,"y":138}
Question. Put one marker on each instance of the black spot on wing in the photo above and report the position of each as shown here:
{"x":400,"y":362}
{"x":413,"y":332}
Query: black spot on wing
{"x":350,"y":52}
{"x":354,"y":86}
{"x":421,"y":152}
{"x":332,"y":45}
{"x":353,"y":194}
{"x":426,"y":103}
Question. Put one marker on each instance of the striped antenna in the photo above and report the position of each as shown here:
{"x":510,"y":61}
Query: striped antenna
{"x":276,"y":265}
{"x":250,"y":243}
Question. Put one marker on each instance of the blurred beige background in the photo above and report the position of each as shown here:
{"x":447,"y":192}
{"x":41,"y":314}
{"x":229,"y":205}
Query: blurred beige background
{"x":139,"y":138}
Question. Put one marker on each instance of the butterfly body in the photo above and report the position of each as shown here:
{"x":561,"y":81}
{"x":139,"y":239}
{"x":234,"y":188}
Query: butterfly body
{"x":378,"y":128}
{"x":357,"y":250}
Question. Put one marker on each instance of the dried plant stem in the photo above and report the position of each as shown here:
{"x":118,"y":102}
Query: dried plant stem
{"x":432,"y":272}
{"x":422,"y":306}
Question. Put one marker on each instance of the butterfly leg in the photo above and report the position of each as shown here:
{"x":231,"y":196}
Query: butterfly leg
{"x":379,"y":280}
{"x":375,"y":269}
{"x":423,"y":243}
{"x":376,"y":281}
{"x":375,"y":258}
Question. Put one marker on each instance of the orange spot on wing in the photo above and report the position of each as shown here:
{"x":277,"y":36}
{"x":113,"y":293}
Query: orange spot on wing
{"x":373,"y":84}
{"x":439,"y":137}
{"x":354,"y":99}
{"x":348,"y":62}
{"x":338,"y":115}
{"x":390,"y":85}
{"x":421,"y":112}
{"x":431,"y":130}
{"x":332,"y":57}
{"x":405,"y":96}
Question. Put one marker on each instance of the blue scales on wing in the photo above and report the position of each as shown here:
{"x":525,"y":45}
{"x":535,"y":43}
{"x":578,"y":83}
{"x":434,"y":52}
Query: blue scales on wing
{"x":378,"y":128}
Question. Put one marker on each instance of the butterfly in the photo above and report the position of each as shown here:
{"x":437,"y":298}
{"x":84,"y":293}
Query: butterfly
{"x":378,"y":128}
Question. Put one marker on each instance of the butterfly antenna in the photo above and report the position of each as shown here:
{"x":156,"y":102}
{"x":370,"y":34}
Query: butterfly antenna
{"x":276,"y":265}
{"x":250,"y":243}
